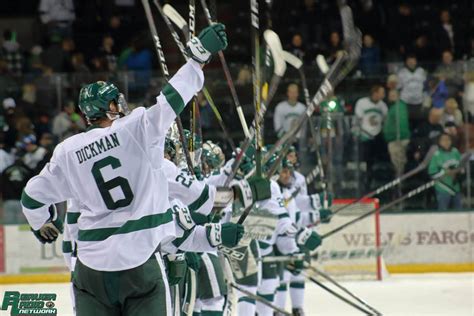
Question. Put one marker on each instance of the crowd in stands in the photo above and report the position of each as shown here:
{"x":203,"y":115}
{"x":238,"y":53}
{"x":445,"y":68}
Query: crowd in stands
{"x":429,"y":98}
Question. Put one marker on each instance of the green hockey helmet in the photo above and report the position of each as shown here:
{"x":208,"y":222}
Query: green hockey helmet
{"x":212,"y":155}
{"x":95,"y":98}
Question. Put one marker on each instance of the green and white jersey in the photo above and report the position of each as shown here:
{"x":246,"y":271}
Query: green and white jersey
{"x":117,"y":175}
{"x":370,"y":116}
{"x":196,"y":195}
{"x":276,"y":205}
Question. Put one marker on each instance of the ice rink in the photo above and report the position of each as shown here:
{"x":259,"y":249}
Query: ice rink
{"x":409,"y":294}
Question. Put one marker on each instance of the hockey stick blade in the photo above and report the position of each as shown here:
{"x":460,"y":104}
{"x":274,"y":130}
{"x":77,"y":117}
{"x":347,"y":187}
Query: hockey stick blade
{"x":175,"y":17}
{"x":322,"y":64}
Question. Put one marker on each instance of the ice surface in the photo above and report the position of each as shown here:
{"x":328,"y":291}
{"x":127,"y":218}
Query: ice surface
{"x":409,"y":294}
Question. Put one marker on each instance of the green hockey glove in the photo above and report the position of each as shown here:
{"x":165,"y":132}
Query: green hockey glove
{"x":176,"y":268}
{"x":50,"y":231}
{"x":193,"y":260}
{"x":325,"y":215}
{"x":211,"y":40}
{"x":308,"y":239}
{"x":232,"y":234}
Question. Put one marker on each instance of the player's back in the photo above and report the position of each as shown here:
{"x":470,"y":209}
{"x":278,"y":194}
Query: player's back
{"x":115,"y":173}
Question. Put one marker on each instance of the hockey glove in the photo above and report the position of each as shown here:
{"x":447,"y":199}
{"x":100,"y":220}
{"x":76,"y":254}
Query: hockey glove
{"x":183,"y":215}
{"x":308,"y":239}
{"x":296,"y":267}
{"x":252,"y":190}
{"x":325,"y":215}
{"x":227,"y":234}
{"x":211,"y":40}
{"x":50,"y":231}
{"x":193,"y":260}
{"x":176,"y":268}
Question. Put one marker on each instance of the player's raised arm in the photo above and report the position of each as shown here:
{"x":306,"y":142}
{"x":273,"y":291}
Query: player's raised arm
{"x":188,"y":80}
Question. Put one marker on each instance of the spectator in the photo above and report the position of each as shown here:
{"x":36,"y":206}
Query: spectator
{"x":411,"y":81}
{"x":451,"y":72}
{"x":446,"y":34}
{"x":11,"y":53}
{"x":396,"y":131}
{"x":452,"y":113}
{"x":33,"y":153}
{"x":370,"y":57}
{"x":403,"y":34}
{"x":14,"y":179}
{"x":452,"y":130}
{"x":6,"y":158}
{"x":205,"y":112}
{"x":392,"y":82}
{"x":58,"y":55}
{"x":139,"y":61}
{"x":427,"y":132}
{"x":57,"y":17}
{"x":438,"y":92}
{"x":296,"y":47}
{"x":108,"y":53}
{"x":335,"y":45}
{"x":369,"y":114}
{"x":67,"y":122}
{"x":286,"y":112}
{"x":468,"y":96}
{"x":448,"y":188}
{"x":423,"y":49}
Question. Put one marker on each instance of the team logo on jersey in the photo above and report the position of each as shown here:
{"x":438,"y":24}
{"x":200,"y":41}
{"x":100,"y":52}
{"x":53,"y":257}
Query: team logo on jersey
{"x":29,"y":303}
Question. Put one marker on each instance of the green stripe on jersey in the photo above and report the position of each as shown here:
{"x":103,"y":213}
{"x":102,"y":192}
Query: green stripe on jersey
{"x":200,"y":200}
{"x":146,"y":222}
{"x":246,"y":299}
{"x":72,"y":217}
{"x":67,"y":247}
{"x":173,"y":98}
{"x":28,"y":202}
{"x":297,"y":285}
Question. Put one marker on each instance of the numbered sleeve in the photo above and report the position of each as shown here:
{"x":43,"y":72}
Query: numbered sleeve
{"x":173,"y":98}
{"x":196,"y":195}
{"x":49,"y":187}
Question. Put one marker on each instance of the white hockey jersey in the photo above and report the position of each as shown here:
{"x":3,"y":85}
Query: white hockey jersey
{"x":115,"y":173}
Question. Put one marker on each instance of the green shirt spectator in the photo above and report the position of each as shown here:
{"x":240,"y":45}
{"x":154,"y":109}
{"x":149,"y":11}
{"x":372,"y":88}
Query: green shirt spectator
{"x":396,"y":123}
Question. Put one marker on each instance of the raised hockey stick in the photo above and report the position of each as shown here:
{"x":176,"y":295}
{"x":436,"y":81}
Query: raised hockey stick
{"x":422,"y":166}
{"x":464,"y":159}
{"x":279,"y":69}
{"x":228,"y":77}
{"x":345,"y":290}
{"x":169,"y":13}
{"x":322,"y":64}
{"x":339,"y":296}
{"x":164,"y":70}
{"x":298,"y":64}
{"x":345,"y":62}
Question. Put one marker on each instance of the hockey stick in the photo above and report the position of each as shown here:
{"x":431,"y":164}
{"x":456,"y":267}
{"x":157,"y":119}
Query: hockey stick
{"x":290,"y":258}
{"x":190,"y":293}
{"x":259,"y":299}
{"x":464,"y":159}
{"x":327,"y":277}
{"x":164,"y":70}
{"x":322,"y":64}
{"x":298,"y":64}
{"x":274,"y":43}
{"x":228,"y":77}
{"x":339,"y":296}
{"x":345,"y":62}
{"x":422,"y":166}
{"x":169,"y":13}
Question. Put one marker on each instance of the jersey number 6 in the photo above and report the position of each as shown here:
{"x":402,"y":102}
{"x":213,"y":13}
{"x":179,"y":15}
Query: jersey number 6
{"x":106,"y":186}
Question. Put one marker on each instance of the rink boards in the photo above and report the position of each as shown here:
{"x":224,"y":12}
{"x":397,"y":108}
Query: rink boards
{"x":409,"y":243}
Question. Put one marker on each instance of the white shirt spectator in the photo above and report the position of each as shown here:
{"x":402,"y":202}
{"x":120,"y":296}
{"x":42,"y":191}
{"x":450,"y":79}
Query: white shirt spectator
{"x":56,"y":11}
{"x":411,"y":84}
{"x":32,"y":159}
{"x":286,"y":115}
{"x":371,"y":116}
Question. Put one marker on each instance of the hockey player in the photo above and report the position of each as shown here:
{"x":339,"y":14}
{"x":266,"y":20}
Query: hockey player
{"x":114,"y":169}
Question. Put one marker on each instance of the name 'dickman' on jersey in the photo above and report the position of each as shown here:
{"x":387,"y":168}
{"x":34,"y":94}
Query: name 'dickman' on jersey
{"x":98,"y":147}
